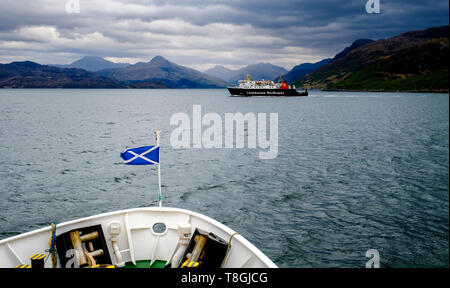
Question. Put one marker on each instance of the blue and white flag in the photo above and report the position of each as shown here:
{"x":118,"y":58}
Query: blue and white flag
{"x":147,"y":155}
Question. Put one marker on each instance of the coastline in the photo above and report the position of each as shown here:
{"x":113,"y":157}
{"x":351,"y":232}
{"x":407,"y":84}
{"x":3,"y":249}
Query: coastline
{"x":218,"y":88}
{"x":387,"y":91}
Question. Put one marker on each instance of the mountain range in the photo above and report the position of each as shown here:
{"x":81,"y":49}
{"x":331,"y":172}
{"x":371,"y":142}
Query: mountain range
{"x":162,"y":71}
{"x":258,"y":71}
{"x":412,"y":61}
{"x":29,"y":74}
{"x":356,"y":44}
{"x":92,"y":64}
{"x":303,"y":69}
{"x":157,"y":73}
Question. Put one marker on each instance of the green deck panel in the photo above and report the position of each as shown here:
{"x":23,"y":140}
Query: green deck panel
{"x":146,"y":264}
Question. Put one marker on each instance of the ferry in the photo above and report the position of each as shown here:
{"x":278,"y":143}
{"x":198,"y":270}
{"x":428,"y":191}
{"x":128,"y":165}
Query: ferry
{"x":264,"y":88}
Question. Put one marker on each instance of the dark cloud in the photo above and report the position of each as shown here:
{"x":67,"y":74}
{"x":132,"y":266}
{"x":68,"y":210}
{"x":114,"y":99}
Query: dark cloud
{"x":202,"y":33}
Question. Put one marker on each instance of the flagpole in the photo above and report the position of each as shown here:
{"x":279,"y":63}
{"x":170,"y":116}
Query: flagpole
{"x":159,"y":169}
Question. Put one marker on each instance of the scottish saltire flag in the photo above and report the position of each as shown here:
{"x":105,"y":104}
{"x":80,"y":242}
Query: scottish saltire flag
{"x":146,"y":155}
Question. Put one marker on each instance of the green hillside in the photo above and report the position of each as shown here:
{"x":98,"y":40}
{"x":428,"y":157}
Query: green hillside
{"x":413,"y":61}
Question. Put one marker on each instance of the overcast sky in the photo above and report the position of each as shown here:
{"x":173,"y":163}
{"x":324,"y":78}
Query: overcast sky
{"x":203,"y":33}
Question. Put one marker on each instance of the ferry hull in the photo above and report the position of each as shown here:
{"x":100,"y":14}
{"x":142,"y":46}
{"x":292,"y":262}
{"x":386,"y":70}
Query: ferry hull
{"x":265,"y":92}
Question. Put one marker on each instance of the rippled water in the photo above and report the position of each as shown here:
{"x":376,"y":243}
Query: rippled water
{"x":355,"y":171}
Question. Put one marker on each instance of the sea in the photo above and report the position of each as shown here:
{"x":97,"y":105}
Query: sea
{"x":355,"y":172}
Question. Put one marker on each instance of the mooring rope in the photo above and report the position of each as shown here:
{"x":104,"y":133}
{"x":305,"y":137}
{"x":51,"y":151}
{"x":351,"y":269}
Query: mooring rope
{"x":228,"y":249}
{"x":52,"y":244}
